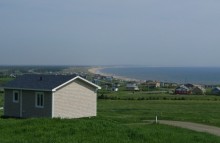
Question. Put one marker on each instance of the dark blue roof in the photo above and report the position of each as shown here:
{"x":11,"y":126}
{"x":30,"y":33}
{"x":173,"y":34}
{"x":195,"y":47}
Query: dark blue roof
{"x":37,"y":81}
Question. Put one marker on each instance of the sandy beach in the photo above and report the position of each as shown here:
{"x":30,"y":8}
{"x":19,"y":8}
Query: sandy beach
{"x":97,"y":70}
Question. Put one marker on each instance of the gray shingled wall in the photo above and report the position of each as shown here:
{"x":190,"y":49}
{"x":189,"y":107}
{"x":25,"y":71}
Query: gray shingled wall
{"x":28,"y":105}
{"x":10,"y":108}
{"x":29,"y":109}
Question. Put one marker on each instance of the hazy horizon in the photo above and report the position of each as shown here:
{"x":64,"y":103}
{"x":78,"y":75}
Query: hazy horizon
{"x":104,"y":66}
{"x":126,"y":32}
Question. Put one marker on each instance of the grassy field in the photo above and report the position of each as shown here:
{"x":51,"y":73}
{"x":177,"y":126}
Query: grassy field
{"x":94,"y":130}
{"x":121,"y":121}
{"x":135,"y":111}
{"x":128,"y":95}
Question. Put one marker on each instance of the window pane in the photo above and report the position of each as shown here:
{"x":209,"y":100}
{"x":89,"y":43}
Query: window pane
{"x":38,"y":100}
{"x":41,"y":100}
{"x":15,"y":96}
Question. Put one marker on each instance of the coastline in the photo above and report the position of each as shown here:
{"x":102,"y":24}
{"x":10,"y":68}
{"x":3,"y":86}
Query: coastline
{"x":179,"y":75}
{"x":97,"y":70}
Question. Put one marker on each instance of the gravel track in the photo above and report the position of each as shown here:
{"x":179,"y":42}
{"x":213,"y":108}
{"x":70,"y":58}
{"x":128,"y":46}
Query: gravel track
{"x":193,"y":126}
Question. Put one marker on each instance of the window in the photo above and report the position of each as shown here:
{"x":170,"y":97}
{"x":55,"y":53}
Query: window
{"x":39,"y":99}
{"x":15,"y":96}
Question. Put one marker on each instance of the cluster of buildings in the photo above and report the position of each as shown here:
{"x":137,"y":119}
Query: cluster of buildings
{"x":190,"y":89}
{"x":109,"y":83}
{"x":195,"y":89}
{"x":150,"y":84}
{"x":178,"y":89}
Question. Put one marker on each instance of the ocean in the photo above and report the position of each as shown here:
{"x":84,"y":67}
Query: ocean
{"x":195,"y":75}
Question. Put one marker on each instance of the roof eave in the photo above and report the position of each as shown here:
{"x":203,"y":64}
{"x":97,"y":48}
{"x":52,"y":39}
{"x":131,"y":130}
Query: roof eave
{"x":77,"y":77}
{"x":14,"y":88}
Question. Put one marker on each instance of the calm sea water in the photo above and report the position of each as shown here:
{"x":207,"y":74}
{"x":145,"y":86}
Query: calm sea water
{"x":197,"y":75}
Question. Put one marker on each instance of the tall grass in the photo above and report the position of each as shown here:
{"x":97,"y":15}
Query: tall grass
{"x":95,"y":130}
{"x":59,"y":131}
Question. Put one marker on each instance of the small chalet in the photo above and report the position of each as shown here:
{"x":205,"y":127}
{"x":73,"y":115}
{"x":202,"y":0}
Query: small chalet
{"x":53,"y":96}
{"x":182,"y":90}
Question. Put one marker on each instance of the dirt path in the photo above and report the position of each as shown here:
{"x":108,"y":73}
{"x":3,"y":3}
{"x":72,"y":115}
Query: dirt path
{"x":193,"y":126}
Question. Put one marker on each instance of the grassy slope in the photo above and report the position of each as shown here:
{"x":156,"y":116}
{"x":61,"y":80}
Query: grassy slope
{"x":46,"y":130}
{"x":127,"y":111}
{"x":124,"y":95}
{"x":94,"y":130}
{"x":115,"y":124}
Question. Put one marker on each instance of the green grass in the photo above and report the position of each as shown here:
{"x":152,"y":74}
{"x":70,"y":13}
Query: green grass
{"x":94,"y":130}
{"x":121,"y":121}
{"x":56,"y":130}
{"x":129,"y":95}
{"x":130,"y":111}
{"x":155,"y":133}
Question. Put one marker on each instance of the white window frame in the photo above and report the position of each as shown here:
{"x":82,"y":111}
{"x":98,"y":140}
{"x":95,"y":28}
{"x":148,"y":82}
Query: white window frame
{"x":16,"y":92}
{"x":36,"y":99}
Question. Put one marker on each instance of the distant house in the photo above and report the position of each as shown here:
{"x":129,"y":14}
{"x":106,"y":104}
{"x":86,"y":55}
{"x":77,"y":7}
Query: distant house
{"x":210,"y":86}
{"x":132,"y":87}
{"x":164,"y":84}
{"x":168,"y":84}
{"x":216,"y":90}
{"x":109,"y":78}
{"x":54,"y":96}
{"x":189,"y":85}
{"x":182,"y":90}
{"x":96,"y":81}
{"x":99,"y":77}
{"x":199,"y":90}
{"x":173,"y":84}
{"x":152,"y":84}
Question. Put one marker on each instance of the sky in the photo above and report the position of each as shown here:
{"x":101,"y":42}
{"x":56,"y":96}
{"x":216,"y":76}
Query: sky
{"x":110,"y":32}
